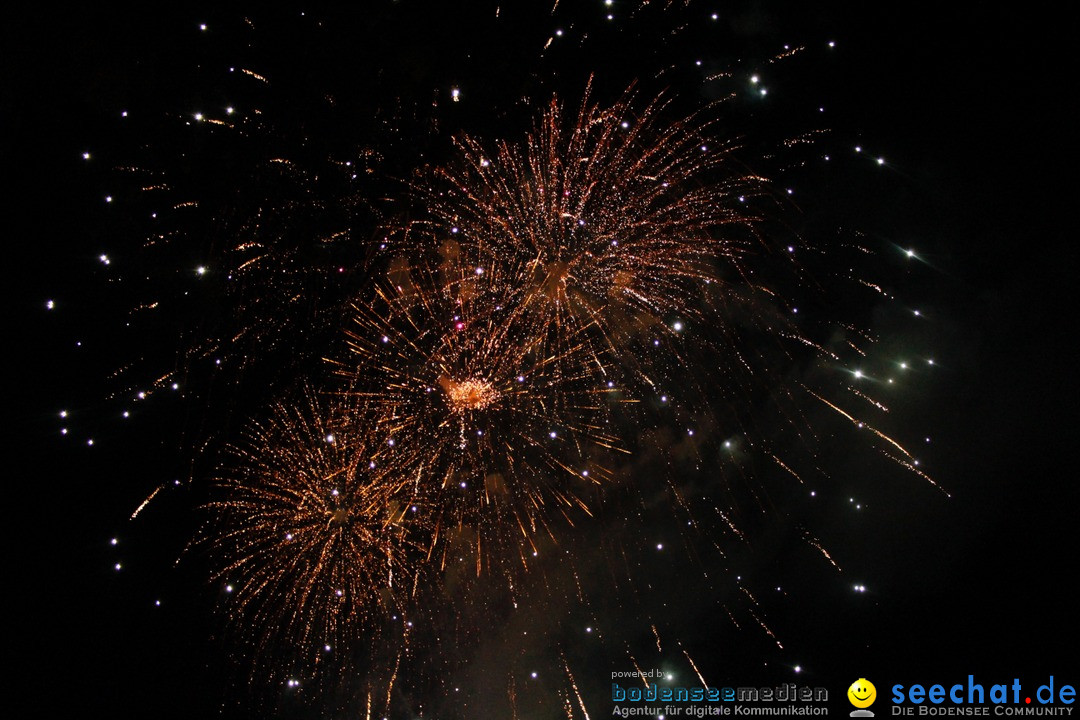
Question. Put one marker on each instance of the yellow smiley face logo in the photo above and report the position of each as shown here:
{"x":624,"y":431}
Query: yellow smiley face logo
{"x":862,"y":693}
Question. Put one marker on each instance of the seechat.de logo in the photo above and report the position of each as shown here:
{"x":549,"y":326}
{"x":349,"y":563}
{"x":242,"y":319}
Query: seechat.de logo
{"x":862,"y":694}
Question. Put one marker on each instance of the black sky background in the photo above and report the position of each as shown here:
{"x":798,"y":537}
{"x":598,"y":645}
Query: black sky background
{"x":970,"y":106}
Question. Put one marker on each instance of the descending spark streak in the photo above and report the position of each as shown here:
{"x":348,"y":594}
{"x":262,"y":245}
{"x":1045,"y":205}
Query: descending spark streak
{"x":812,"y":344}
{"x":511,"y":695}
{"x":698,"y":672}
{"x":767,"y":629}
{"x":907,"y":462}
{"x":146,"y":502}
{"x":856,"y":348}
{"x":861,"y":424}
{"x":910,"y":466}
{"x":252,"y":73}
{"x":873,"y":286}
{"x":393,"y":677}
{"x":789,"y":470}
{"x":641,"y":673}
{"x":577,"y":693}
{"x":817,"y":544}
{"x":869,"y":399}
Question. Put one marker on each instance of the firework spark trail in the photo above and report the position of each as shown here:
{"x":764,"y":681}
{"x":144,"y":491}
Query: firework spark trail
{"x":910,"y":465}
{"x":641,"y":673}
{"x":767,"y":629}
{"x":788,"y":469}
{"x":574,"y":687}
{"x":908,"y":461}
{"x":695,"y":667}
{"x":868,"y":399}
{"x":814,"y":542}
{"x":147,"y":501}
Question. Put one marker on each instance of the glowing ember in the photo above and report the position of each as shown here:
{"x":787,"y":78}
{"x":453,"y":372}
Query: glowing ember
{"x":469,"y":394}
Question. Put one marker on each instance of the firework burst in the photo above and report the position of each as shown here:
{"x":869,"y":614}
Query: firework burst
{"x":611,"y":217}
{"x":309,"y":541}
{"x":583,"y":338}
{"x":499,"y":434}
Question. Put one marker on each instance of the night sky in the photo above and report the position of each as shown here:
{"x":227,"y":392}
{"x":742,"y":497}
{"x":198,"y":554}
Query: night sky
{"x":968,"y":112}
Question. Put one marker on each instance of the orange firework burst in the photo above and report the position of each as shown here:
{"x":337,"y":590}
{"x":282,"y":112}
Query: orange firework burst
{"x":610,"y":217}
{"x":468,"y":394}
{"x":498,"y":433}
{"x":310,"y":540}
{"x":611,"y":231}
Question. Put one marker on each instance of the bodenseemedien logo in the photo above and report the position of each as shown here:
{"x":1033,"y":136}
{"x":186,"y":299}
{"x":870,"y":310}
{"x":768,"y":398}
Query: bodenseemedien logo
{"x":862,"y":694}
